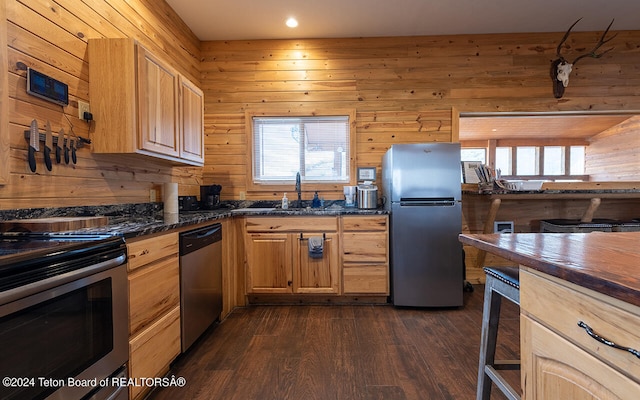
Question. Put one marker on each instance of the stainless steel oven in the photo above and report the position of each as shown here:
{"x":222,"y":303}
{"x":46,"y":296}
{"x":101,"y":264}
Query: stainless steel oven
{"x":63,"y":316}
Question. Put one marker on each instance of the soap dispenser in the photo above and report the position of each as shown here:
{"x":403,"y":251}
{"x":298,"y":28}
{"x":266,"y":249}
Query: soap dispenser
{"x":285,"y":202}
{"x":315,"y":203}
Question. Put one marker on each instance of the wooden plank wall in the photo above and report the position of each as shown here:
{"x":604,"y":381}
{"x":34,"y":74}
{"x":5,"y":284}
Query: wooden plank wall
{"x":51,"y":37}
{"x":4,"y":99}
{"x":402,"y":88}
{"x":614,"y":155}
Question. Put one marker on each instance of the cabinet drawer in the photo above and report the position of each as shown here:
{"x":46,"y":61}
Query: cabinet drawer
{"x":355,"y":224}
{"x":153,"y":291}
{"x":559,"y":305}
{"x":151,"y":352}
{"x":145,"y":251}
{"x":364,"y":247}
{"x":291,"y":224}
{"x":368,"y":279}
{"x":554,"y":368}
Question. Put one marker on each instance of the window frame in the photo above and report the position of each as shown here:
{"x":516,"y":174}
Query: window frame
{"x":541,"y":173}
{"x":288,"y":185}
{"x":492,"y":145}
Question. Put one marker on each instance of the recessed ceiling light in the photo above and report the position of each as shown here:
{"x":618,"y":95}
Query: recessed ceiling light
{"x":292,"y":22}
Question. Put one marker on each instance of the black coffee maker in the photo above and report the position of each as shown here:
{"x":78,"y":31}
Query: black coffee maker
{"x":210,"y":197}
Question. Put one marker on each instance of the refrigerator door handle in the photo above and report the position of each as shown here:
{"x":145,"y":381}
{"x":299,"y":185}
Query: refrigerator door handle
{"x":428,"y":202}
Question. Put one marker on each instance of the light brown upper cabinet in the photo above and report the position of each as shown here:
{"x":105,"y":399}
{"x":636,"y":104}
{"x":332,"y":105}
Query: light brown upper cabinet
{"x":191,"y":121}
{"x":141,"y":105}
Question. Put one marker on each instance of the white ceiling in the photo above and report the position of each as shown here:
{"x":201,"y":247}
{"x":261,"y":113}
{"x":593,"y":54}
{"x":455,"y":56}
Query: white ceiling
{"x":264,"y":19}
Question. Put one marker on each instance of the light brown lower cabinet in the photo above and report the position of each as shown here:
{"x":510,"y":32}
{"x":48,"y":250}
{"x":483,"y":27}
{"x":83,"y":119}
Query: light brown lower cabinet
{"x":365,"y":255}
{"x":355,"y":256}
{"x":154,"y":308}
{"x":560,"y":360}
{"x":277,"y":259}
{"x":151,"y":352}
{"x":268,"y":259}
{"x":316,"y":275}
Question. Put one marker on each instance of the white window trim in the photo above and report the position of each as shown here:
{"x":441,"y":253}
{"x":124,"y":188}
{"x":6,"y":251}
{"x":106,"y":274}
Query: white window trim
{"x":286,"y":186}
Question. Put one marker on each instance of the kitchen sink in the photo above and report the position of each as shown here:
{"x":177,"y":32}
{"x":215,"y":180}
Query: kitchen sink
{"x":253,"y":210}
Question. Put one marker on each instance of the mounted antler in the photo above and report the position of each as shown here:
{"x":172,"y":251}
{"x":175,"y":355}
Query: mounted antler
{"x":561,"y":68}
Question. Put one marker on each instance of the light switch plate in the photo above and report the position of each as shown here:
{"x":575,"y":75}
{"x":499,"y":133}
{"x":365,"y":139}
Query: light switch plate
{"x":82,"y":107}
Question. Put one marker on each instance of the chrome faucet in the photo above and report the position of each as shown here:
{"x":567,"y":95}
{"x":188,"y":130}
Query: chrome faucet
{"x":299,"y":189}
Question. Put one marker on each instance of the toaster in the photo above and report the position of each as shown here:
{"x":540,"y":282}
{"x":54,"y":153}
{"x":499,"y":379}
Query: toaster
{"x":188,"y":203}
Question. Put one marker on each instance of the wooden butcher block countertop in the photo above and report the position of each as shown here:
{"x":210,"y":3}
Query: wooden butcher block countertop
{"x":52,"y":224}
{"x":606,"y":262}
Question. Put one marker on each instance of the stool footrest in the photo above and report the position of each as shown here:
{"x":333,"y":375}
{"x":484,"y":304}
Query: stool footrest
{"x":501,"y":383}
{"x":511,"y":365}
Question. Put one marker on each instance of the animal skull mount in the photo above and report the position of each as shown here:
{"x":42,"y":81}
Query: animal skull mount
{"x":561,"y":68}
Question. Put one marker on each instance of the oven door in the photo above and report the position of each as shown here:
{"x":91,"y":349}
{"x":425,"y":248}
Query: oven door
{"x":59,"y":343}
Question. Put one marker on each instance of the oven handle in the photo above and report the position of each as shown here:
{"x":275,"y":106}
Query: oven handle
{"x":59,"y":280}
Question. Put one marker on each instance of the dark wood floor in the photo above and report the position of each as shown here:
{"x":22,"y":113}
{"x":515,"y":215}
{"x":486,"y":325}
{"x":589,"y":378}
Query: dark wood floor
{"x":342,"y":352}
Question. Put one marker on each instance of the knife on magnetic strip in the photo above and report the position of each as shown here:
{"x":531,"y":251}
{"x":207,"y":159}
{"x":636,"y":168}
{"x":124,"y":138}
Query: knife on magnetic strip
{"x":34,"y":144}
{"x":66,"y":150}
{"x":58,"y":147}
{"x":74,"y":157}
{"x":48,"y":145}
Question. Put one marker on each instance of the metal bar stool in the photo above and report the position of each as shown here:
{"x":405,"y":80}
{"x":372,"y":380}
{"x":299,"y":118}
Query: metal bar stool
{"x":501,"y":282}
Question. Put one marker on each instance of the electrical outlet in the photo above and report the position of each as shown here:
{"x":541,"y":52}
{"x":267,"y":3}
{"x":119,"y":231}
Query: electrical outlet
{"x":243,"y":195}
{"x":152,"y":195}
{"x":503,"y":227}
{"x":82,"y":107}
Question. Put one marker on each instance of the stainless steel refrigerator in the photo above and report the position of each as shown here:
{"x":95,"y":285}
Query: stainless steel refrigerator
{"x":421,"y":188}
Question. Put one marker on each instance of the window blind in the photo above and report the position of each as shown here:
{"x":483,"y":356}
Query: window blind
{"x":317,"y":147}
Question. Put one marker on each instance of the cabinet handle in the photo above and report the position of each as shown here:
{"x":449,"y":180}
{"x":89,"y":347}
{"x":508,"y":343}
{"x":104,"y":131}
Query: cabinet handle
{"x":600,"y":339}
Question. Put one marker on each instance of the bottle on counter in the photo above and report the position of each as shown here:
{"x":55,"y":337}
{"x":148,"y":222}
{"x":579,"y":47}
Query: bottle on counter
{"x":316,"y":201}
{"x":285,"y":202}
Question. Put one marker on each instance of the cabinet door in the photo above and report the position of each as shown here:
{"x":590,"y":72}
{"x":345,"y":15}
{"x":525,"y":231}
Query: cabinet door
{"x":268,"y":260}
{"x":316,"y":275}
{"x":191,"y":121}
{"x":157,"y":105}
{"x":554,"y":368}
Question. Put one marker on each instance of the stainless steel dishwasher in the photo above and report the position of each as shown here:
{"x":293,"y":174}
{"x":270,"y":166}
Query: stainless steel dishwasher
{"x":200,"y":281}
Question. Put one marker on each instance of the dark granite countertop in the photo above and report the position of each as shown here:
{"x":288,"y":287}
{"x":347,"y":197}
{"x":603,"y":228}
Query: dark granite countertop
{"x":606,"y":262}
{"x":133,"y":220}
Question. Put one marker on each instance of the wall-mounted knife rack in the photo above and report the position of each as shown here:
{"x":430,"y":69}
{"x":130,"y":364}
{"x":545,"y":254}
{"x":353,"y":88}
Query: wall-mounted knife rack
{"x":80,"y":141}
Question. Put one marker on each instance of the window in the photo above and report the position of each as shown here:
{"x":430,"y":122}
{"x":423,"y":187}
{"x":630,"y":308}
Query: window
{"x":527,"y":160}
{"x":317,"y":147}
{"x":553,"y":160}
{"x":473,"y":154}
{"x":542,"y":162}
{"x":576,"y":160}
{"x":503,"y":160}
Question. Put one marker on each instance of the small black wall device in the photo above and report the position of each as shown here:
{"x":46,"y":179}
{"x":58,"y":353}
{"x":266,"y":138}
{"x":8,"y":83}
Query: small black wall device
{"x":45,"y":87}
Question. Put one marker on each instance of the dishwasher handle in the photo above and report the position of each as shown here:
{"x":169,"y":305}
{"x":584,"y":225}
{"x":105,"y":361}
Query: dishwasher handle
{"x":196,"y":239}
